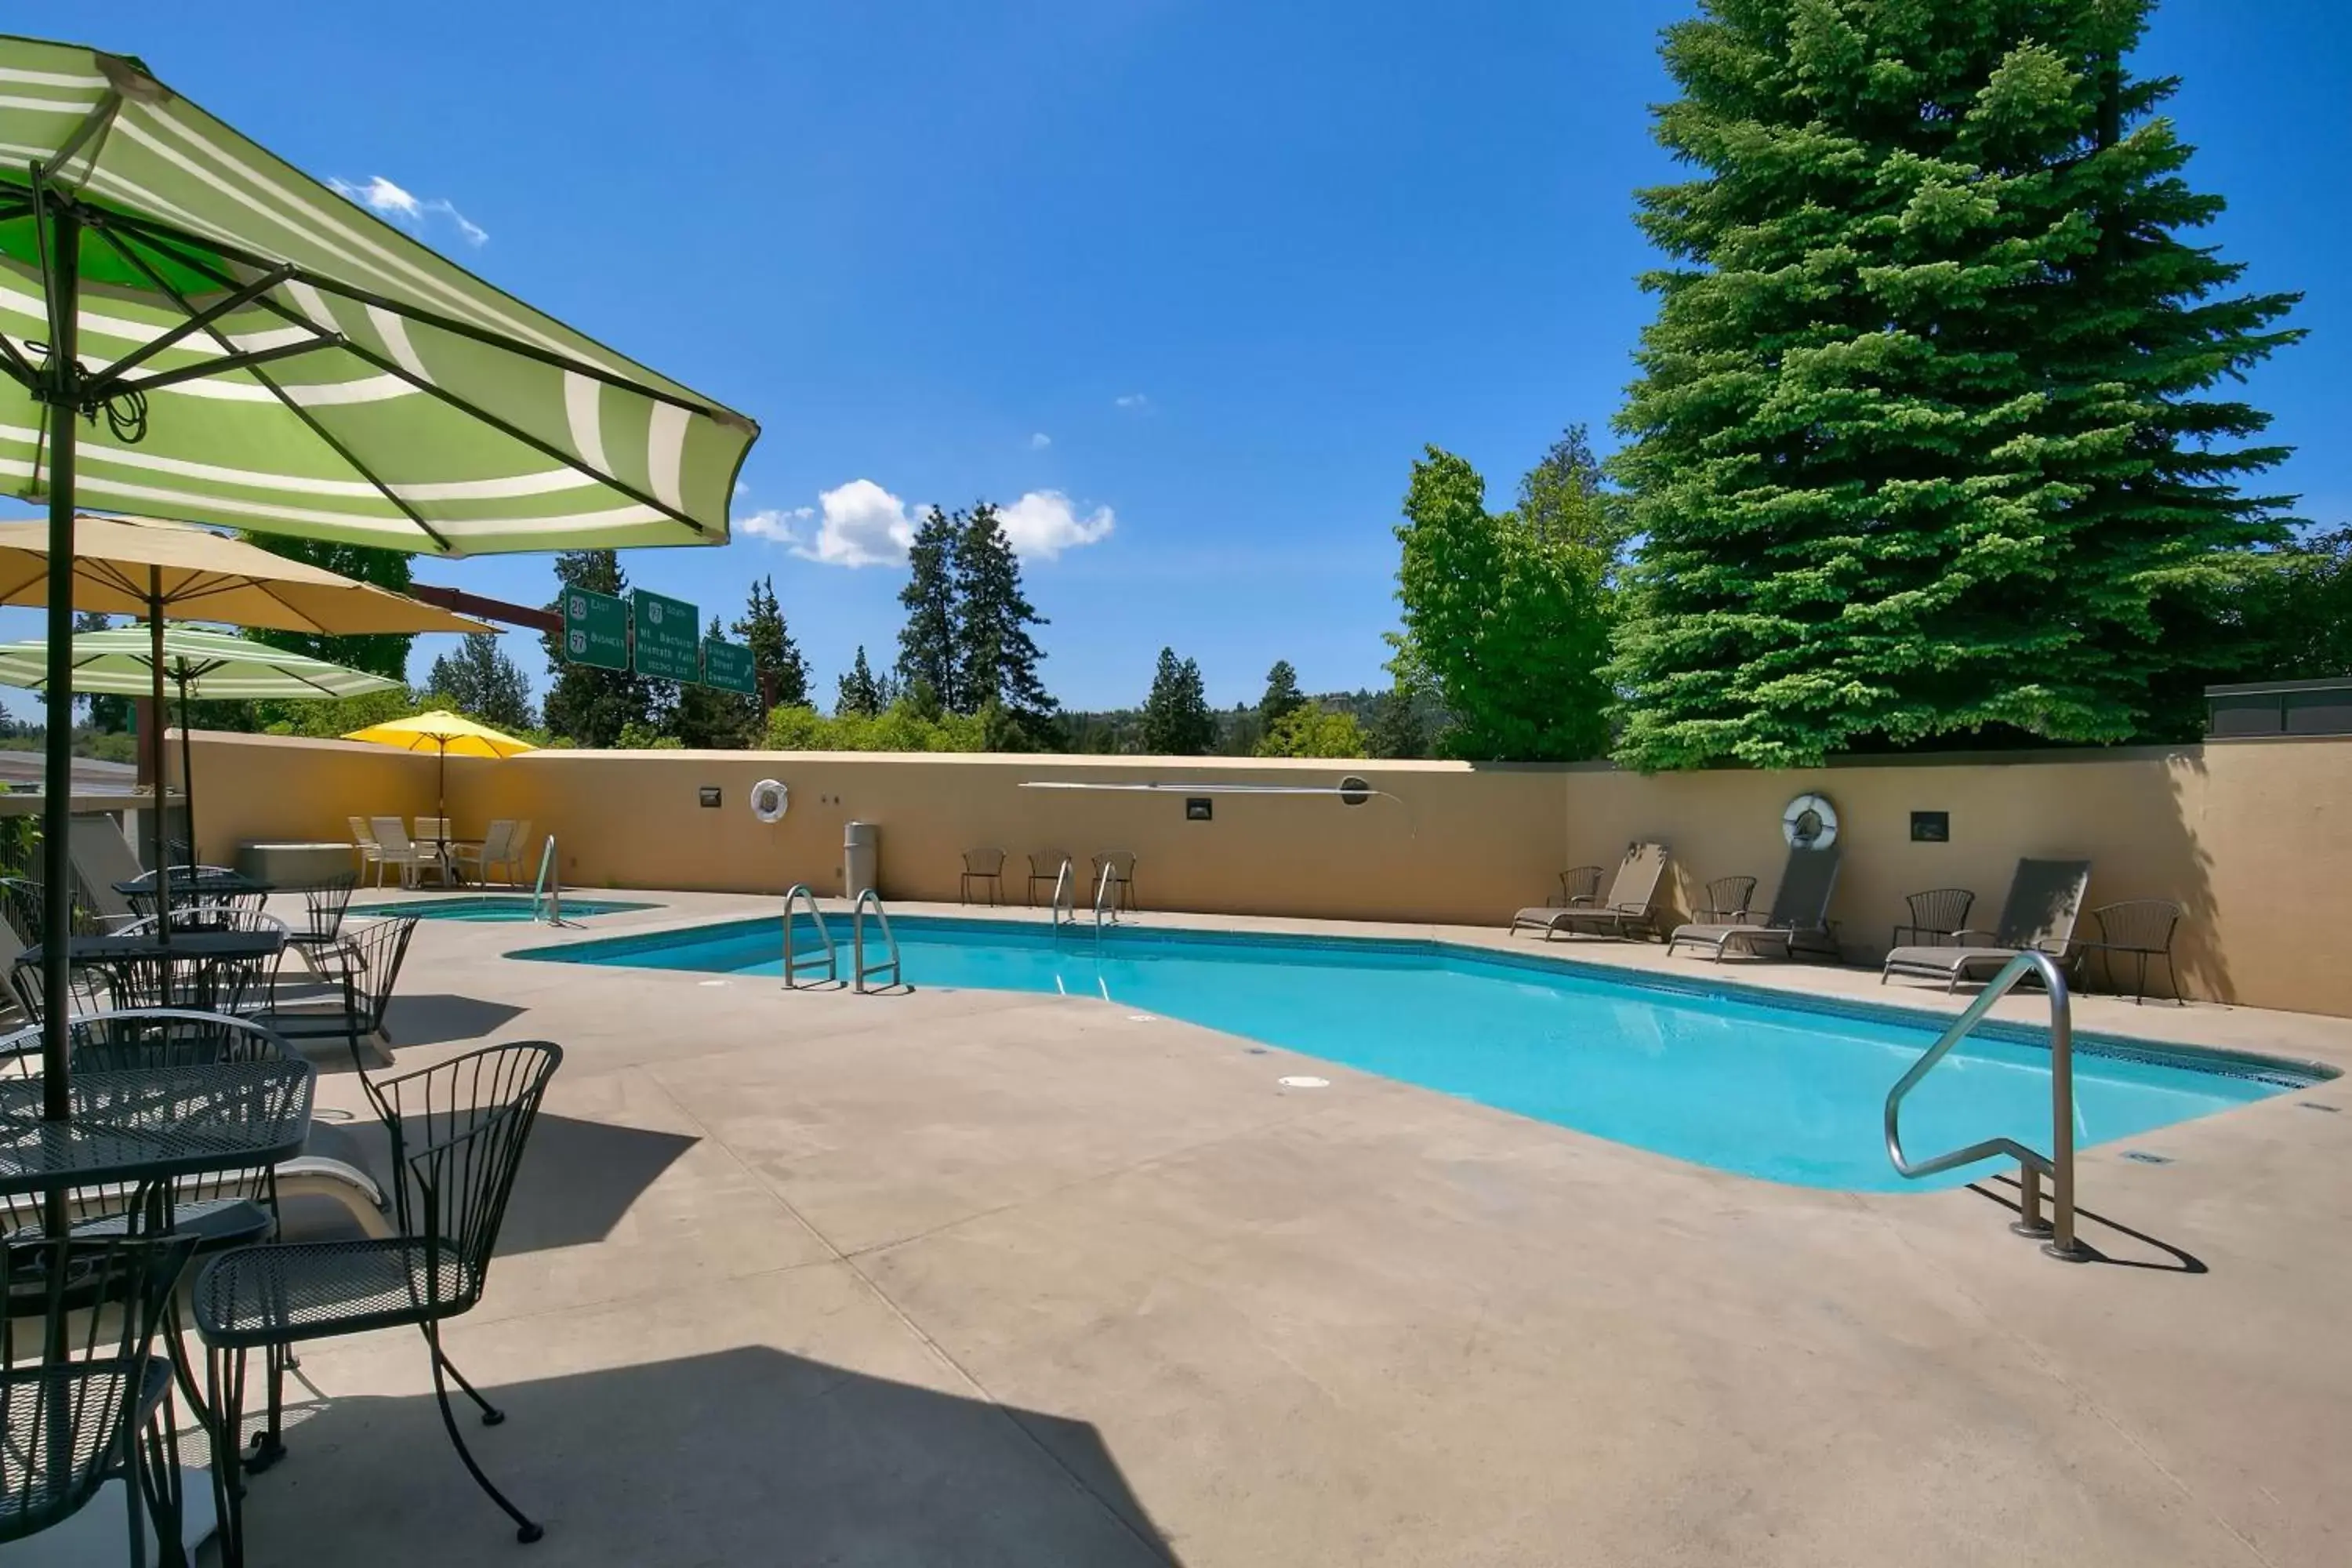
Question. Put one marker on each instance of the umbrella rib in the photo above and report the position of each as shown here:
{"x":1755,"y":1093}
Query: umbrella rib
{"x":113,"y":374}
{"x":416,"y":518}
{"x":401,"y":373}
{"x":157,"y":235}
{"x":96,"y":123}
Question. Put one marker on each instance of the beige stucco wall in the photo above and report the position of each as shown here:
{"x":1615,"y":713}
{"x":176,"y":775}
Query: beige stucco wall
{"x":2255,"y":838}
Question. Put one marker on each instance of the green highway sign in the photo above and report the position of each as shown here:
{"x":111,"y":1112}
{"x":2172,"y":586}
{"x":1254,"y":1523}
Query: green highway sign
{"x":669,"y":637}
{"x":595,"y":630}
{"x":729,"y":667}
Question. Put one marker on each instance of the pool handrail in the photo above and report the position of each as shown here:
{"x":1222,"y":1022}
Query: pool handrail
{"x":1066,"y":896}
{"x":863,"y":971}
{"x":797,"y":895}
{"x":549,"y":886}
{"x":2032,"y":1165}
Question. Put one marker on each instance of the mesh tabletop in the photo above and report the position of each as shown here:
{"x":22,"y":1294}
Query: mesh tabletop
{"x":159,"y":1121}
{"x":147,"y":947}
{"x":214,"y":882}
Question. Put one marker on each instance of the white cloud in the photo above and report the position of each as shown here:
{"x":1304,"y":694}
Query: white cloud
{"x":1134,"y":400}
{"x":1043,"y":523}
{"x":775,"y":522}
{"x":864,"y":525}
{"x":385,"y":199}
{"x":1040,"y":441}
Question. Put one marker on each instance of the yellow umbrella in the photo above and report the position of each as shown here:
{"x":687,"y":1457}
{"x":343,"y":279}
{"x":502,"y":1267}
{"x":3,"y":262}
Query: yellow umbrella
{"x":443,"y":732}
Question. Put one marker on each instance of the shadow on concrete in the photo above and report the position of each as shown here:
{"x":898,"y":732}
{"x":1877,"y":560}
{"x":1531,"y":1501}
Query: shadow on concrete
{"x":745,"y":1456}
{"x":578,"y":1178}
{"x":439,"y":1019}
{"x":2167,"y":1259}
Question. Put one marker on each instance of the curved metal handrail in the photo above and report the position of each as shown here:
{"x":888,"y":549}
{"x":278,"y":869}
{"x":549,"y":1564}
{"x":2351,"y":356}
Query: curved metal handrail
{"x":548,"y":887}
{"x":857,"y":941}
{"x":794,"y":897}
{"x":2032,"y":1165}
{"x":1106,"y":893}
{"x":1066,"y":895}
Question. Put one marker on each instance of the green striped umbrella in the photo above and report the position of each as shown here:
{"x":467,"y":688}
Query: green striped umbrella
{"x":207,"y":666}
{"x":192,"y":328}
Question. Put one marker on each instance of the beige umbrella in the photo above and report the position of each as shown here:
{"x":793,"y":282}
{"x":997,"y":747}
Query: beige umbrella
{"x":135,"y":566}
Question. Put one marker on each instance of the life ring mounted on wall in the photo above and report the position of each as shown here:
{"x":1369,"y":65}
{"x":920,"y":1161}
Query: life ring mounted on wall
{"x":1809,"y":823}
{"x":770,"y":800}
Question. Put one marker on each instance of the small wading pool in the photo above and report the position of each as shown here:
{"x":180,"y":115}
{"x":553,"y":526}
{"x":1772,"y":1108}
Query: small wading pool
{"x":489,"y":907}
{"x":1789,"y":1091}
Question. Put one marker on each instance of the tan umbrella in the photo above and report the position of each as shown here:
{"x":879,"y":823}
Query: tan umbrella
{"x":135,"y":566}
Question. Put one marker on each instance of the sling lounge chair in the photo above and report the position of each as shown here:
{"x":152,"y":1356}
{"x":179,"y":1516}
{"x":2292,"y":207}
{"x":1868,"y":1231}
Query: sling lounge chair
{"x":1627,"y":914}
{"x":1800,"y":910}
{"x":2044,"y":897}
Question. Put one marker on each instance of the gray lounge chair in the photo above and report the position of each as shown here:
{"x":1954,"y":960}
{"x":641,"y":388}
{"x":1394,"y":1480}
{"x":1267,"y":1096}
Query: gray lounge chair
{"x":1627,"y":915}
{"x":1800,"y":907}
{"x":2044,"y":898}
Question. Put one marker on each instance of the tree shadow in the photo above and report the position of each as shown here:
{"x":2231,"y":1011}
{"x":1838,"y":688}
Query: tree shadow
{"x":2171,"y":1259}
{"x":440,"y":1019}
{"x":744,"y":1456}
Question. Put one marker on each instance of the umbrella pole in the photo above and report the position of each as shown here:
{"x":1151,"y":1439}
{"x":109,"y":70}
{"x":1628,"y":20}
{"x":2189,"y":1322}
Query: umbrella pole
{"x":154,"y":744}
{"x":188,"y":775}
{"x":62,"y":392}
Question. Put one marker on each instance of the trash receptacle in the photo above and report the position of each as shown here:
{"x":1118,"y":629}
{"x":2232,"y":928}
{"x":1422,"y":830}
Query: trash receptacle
{"x":861,"y":857}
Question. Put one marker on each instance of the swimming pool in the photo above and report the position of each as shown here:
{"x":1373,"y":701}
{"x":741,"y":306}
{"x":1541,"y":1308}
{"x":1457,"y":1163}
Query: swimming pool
{"x":1703,"y":1073}
{"x":492,"y":908}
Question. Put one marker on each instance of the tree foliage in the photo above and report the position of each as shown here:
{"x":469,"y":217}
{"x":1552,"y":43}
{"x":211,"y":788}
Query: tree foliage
{"x":1176,"y":718}
{"x":1564,"y":500}
{"x":898,"y":728}
{"x":860,"y":692}
{"x":1508,"y":628}
{"x":1312,"y":729}
{"x":1924,"y":443}
{"x":775,"y":658}
{"x":2296,"y":606}
{"x":713,"y":721}
{"x":483,"y":683}
{"x":996,"y":658}
{"x":1282,"y":697}
{"x":927,"y":643}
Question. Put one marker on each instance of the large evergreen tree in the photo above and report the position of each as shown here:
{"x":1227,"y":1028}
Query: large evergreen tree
{"x":711,"y":719}
{"x":1282,"y":695}
{"x":776,"y":659}
{"x":996,"y":659}
{"x":1924,"y":444}
{"x":1562,"y":498}
{"x":859,"y":692}
{"x":1176,"y":718}
{"x":1508,"y":628}
{"x":586,"y":705}
{"x":484,"y":682}
{"x":928,"y":642}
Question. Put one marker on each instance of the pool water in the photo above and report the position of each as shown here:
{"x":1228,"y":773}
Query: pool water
{"x":488,"y":907}
{"x":1702,"y":1072}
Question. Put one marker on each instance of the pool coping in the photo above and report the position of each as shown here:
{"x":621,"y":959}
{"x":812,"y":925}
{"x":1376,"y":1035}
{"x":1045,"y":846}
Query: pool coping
{"x":2286,"y":1073}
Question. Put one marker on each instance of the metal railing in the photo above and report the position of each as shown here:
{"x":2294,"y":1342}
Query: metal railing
{"x":889,"y":966}
{"x":797,"y":896}
{"x":1106,"y":895}
{"x":1065,"y":896}
{"x":2031,"y":1165}
{"x":547,"y":891}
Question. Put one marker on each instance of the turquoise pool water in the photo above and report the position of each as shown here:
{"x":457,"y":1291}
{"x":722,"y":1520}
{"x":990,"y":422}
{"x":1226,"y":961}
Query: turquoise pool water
{"x":492,"y":908}
{"x":1702,"y":1072}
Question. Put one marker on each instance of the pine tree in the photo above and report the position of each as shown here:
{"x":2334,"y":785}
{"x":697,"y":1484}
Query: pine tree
{"x":996,"y":659}
{"x":928,"y":642}
{"x":859,"y":692}
{"x":1509,"y":628}
{"x":484,"y":683}
{"x":1282,"y":695}
{"x":1922,"y":446}
{"x":775,"y":658}
{"x":1176,"y":718}
{"x":711,"y":719}
{"x":1562,"y":497}
{"x":591,"y":706}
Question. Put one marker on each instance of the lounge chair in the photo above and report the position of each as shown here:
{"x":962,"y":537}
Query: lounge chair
{"x":1800,"y":910}
{"x":2044,"y":897}
{"x":1627,"y":913}
{"x":101,"y":858}
{"x":497,"y":847}
{"x":394,"y":849}
{"x":363,"y":845}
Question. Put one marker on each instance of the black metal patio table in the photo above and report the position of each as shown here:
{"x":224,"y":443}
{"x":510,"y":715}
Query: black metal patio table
{"x":130,"y":1128}
{"x":214,"y":885}
{"x":202,"y":969}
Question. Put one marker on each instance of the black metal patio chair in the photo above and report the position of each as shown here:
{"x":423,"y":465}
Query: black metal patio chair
{"x":1045,"y":866}
{"x":1728,"y":898}
{"x":360,"y":969}
{"x":984,"y":869}
{"x":1121,"y":864}
{"x":83,"y":1398}
{"x":1935,"y":915}
{"x":324,"y":904}
{"x":459,"y":1130}
{"x":1579,"y":886}
{"x":2141,"y":929}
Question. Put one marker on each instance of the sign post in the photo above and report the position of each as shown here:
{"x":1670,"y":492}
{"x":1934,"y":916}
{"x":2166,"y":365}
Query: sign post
{"x":668,"y":644}
{"x":595,"y":630}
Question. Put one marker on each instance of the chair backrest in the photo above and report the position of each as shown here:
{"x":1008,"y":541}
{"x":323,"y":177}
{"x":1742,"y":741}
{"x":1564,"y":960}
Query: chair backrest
{"x":67,"y":1419}
{"x":1047,"y":862}
{"x":1120,"y":861}
{"x":323,"y":903}
{"x":1580,"y":882}
{"x":375,"y":948}
{"x":1638,"y":875}
{"x":133,"y":1039}
{"x":1731,"y":896}
{"x":497,"y":839}
{"x":1940,"y":910}
{"x":518,"y":844}
{"x":2044,"y":898}
{"x":984,"y":862}
{"x":362,"y":834}
{"x":458,"y":1130}
{"x":1802,"y":902}
{"x":391,"y":836}
{"x":431,"y":830}
{"x":2139,"y":924}
{"x":101,"y":858}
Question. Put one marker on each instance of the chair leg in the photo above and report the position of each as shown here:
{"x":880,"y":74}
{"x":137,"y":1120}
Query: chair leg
{"x":225,"y":1372}
{"x":525,"y":1530}
{"x":270,"y":1446}
{"x":153,"y":1451}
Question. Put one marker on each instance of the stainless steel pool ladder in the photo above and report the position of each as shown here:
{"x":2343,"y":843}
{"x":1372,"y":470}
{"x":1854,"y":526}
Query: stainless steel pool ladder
{"x":796,"y":900}
{"x":1066,"y":896}
{"x":2031,"y":1165}
{"x":889,"y":965}
{"x":1106,"y":898}
{"x":548,"y":891}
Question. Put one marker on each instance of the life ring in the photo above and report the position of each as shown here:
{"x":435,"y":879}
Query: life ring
{"x":1809,"y":823}
{"x":770,"y":800}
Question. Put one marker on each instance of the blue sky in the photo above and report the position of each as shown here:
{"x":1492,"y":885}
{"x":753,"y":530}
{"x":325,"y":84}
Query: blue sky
{"x":1190,"y":285}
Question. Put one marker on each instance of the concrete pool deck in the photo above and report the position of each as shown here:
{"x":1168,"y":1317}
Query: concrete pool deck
{"x":981,"y":1278}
